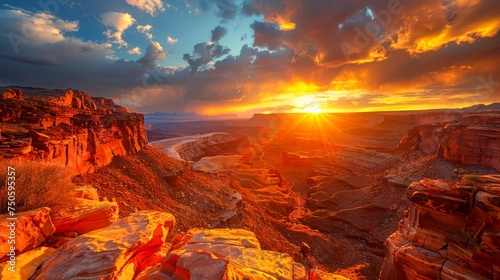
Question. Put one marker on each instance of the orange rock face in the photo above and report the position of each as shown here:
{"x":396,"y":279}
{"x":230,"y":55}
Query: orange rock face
{"x":86,"y":216}
{"x":471,"y":140}
{"x":26,"y":264}
{"x":69,"y":127}
{"x":317,"y":274}
{"x":222,"y":254}
{"x":450,"y":231}
{"x":31,"y":229}
{"x":226,"y":254}
{"x":118,"y":251}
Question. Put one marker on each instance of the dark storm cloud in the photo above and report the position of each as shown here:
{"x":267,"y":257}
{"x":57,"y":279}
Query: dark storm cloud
{"x":218,"y":32}
{"x":29,"y":60}
{"x":225,"y":9}
{"x":267,"y":35}
{"x":203,"y":54}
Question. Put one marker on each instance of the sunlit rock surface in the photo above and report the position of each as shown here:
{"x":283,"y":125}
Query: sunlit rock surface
{"x":67,"y":126}
{"x":26,"y":264}
{"x":451,"y":231}
{"x":31,"y":229}
{"x":317,"y":274}
{"x":85,"y":216}
{"x":114,"y":252}
{"x":224,"y":254}
{"x":86,"y":192}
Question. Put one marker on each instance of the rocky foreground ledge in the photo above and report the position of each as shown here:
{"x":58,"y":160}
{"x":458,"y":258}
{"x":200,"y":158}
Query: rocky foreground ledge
{"x":451,"y":231}
{"x":68,"y":127}
{"x":87,"y":241}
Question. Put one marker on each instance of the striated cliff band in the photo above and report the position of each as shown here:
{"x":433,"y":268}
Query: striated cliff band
{"x":286,"y":196}
{"x":67,"y":126}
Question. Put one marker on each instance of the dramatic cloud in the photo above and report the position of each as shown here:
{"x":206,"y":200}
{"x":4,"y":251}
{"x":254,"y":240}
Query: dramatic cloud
{"x":334,"y":33}
{"x":226,"y":9}
{"x":171,"y":41}
{"x":203,"y":54}
{"x":437,"y":24}
{"x":50,"y":53}
{"x":119,"y":22}
{"x":152,"y":7}
{"x":154,"y":52}
{"x":218,"y":33}
{"x":134,"y":51}
{"x":34,"y":26}
{"x":343,"y":55}
{"x":146,"y":30}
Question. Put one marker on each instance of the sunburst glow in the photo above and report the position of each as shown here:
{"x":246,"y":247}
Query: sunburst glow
{"x":313,"y":109}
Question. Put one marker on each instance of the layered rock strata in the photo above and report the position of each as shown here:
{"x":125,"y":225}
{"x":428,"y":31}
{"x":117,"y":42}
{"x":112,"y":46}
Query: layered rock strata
{"x":67,"y":126}
{"x":451,"y":231}
{"x":473,"y":140}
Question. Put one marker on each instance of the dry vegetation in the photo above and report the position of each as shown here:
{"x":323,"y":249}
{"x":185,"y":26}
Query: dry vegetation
{"x":37,"y":184}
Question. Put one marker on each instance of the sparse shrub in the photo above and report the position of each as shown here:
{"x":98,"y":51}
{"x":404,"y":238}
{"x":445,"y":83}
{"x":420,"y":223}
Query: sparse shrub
{"x":38,"y":184}
{"x":467,"y":239}
{"x":472,"y":180}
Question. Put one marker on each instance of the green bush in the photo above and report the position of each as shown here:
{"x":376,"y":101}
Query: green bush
{"x":37,"y":184}
{"x":472,"y":180}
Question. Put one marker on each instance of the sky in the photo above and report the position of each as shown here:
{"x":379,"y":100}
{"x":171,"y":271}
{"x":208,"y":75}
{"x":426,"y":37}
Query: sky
{"x":257,"y":56}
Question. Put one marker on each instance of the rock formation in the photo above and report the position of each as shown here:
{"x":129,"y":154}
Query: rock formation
{"x":31,"y":229}
{"x":114,"y":252}
{"x":85,"y":216}
{"x":473,"y":140}
{"x":451,"y":231}
{"x":67,"y":126}
{"x":136,"y":247}
{"x":26,"y":263}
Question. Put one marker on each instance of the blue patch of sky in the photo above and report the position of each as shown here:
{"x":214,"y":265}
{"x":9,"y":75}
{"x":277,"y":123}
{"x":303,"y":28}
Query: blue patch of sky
{"x":179,"y":22}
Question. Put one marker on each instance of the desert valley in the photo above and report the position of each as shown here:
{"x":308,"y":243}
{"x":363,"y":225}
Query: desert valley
{"x":250,"y":139}
{"x":393,"y":195}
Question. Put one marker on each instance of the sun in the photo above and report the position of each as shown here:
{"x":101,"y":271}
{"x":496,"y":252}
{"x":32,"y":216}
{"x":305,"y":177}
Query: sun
{"x":313,"y":109}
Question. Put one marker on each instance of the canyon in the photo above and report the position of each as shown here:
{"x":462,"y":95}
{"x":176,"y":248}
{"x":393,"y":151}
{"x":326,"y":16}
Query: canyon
{"x":356,"y":195}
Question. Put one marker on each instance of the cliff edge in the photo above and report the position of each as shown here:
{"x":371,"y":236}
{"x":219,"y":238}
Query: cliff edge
{"x":67,"y":126}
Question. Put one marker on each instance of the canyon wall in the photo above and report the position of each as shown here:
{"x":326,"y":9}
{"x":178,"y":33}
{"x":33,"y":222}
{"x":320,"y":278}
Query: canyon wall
{"x":450,"y":231}
{"x":67,"y":126}
{"x":471,"y":140}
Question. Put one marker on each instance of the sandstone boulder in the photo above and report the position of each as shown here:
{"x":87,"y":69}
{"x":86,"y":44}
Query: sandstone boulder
{"x":117,"y":251}
{"x":223,"y":254}
{"x":26,"y":264}
{"x":316,"y":274}
{"x":86,"y":216}
{"x":87,"y":192}
{"x":31,"y":229}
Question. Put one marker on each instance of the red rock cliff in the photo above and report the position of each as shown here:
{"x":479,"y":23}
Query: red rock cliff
{"x":471,"y":140}
{"x":451,"y":231}
{"x":67,"y":126}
